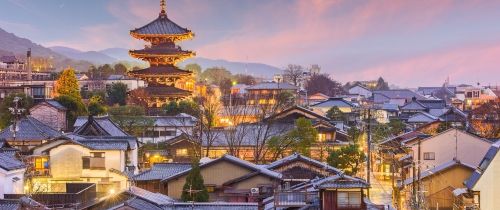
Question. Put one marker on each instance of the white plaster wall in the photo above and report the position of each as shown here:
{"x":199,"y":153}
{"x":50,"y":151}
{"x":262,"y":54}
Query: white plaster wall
{"x":7,"y":186}
{"x":360,"y":91}
{"x":470,"y":149}
{"x":489,"y":186}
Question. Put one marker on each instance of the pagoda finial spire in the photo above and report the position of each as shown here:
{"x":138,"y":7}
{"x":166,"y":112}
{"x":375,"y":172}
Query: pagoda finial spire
{"x":163,"y":6}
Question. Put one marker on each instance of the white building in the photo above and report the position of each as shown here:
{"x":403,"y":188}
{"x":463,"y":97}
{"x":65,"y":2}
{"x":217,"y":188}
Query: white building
{"x":360,"y":90}
{"x":11,"y":175}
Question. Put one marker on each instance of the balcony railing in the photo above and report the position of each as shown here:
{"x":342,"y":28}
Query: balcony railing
{"x":40,"y":173}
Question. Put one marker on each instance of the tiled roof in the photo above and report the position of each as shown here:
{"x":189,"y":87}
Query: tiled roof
{"x":414,"y":105}
{"x":161,"y":70}
{"x":180,"y":120}
{"x":156,"y":198}
{"x":140,"y":203}
{"x":97,"y":144}
{"x":214,"y":206}
{"x":296,"y":156}
{"x":422,"y":117}
{"x":300,"y":111}
{"x":331,"y":102}
{"x":250,"y":134}
{"x":8,"y":59}
{"x":483,"y":165}
{"x":30,"y":128}
{"x":55,"y":104}
{"x":161,"y":25}
{"x":398,"y":94}
{"x":272,"y":86}
{"x":161,"y":171}
{"x":104,"y":126}
{"x":438,"y":169}
{"x":8,"y":204}
{"x":9,"y":163}
{"x":164,"y":91}
{"x":340,"y":182}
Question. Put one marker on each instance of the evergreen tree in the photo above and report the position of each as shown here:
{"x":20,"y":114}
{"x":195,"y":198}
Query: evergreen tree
{"x":348,"y":159}
{"x":194,"y":189}
{"x":67,"y":84}
{"x":117,"y":94}
{"x":335,"y":114}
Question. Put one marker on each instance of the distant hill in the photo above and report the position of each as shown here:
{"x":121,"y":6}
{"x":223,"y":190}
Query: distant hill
{"x":91,"y":56}
{"x":255,"y":69}
{"x":12,"y":44}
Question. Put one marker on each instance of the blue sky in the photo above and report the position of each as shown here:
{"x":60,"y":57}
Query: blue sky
{"x":409,"y":43}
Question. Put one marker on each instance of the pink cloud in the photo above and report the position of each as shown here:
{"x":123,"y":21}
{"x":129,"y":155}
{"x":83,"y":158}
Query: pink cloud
{"x":475,"y":63}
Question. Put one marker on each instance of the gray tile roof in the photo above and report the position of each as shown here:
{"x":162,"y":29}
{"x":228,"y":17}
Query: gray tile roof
{"x":30,"y":128}
{"x":248,"y":134}
{"x":56,"y":104}
{"x":8,"y":204}
{"x":161,"y":171}
{"x":180,"y":120}
{"x":272,"y":86}
{"x":161,"y":25}
{"x":483,"y":165}
{"x":9,"y":162}
{"x":103,"y":123}
{"x":422,"y":117}
{"x":156,"y":198}
{"x":296,"y":156}
{"x":438,"y":169}
{"x":331,"y":102}
{"x":339,"y":182}
{"x":382,"y":96}
{"x":140,"y":203}
{"x":213,"y":206}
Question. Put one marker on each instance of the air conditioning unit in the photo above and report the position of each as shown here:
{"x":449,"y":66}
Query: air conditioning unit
{"x":254,"y":190}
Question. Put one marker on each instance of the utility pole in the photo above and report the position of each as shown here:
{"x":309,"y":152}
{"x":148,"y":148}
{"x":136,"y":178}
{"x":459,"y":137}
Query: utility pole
{"x":418,"y":173}
{"x":16,"y":111}
{"x":369,"y":159}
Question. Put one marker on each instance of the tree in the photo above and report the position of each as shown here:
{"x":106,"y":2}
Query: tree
{"x":216,"y":75}
{"x":194,"y":189}
{"x":299,"y":139}
{"x":96,"y":106}
{"x":195,"y":68}
{"x":120,"y":69}
{"x":245,"y":79}
{"x":354,"y":134}
{"x":184,"y":106}
{"x":75,"y":108}
{"x":117,"y":94}
{"x":322,"y":83}
{"x":397,"y":127}
{"x":6,"y":116}
{"x":104,"y":71}
{"x":293,"y":73}
{"x":348,"y":159}
{"x":382,"y":84}
{"x":67,"y":84}
{"x":335,"y":114}
{"x":131,"y":119}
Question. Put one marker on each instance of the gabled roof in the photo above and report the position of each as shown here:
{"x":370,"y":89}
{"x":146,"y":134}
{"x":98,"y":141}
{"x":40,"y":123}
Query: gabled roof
{"x":414,"y":105}
{"x":438,"y":169}
{"x":161,"y":171}
{"x":411,"y":141}
{"x":272,"y":86}
{"x":251,"y":133}
{"x":398,"y":94}
{"x":483,"y":165}
{"x":52,"y":103}
{"x":297,"y":157}
{"x":245,"y":164}
{"x":10,"y":204}
{"x":97,"y":126}
{"x":30,"y":128}
{"x":422,"y":117}
{"x":9,"y":163}
{"x":334,"y":101}
{"x":396,"y":141}
{"x":341,"y":181}
{"x":298,"y":110}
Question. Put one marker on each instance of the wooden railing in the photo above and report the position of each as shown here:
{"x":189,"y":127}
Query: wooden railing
{"x":294,"y":198}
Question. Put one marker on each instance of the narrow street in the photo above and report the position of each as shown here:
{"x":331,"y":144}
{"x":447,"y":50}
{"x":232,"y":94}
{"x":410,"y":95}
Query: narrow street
{"x":381,"y":190}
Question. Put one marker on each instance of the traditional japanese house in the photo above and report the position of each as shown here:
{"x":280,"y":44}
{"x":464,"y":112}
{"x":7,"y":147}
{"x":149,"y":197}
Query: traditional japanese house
{"x":30,"y":132}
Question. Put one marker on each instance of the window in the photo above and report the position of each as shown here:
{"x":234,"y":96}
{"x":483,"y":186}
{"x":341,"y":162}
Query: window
{"x":181,"y":152}
{"x":167,"y":133}
{"x":210,"y":188}
{"x":429,"y":156}
{"x":94,"y":161}
{"x":321,"y":137}
{"x":349,"y":199}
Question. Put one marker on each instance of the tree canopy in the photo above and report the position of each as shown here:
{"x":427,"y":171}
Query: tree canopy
{"x":335,"y":114}
{"x":75,"y":108}
{"x":6,"y":116}
{"x":117,"y":94}
{"x":194,"y":189}
{"x":293,"y":73}
{"x":67,"y":84}
{"x":322,"y":83}
{"x":348,"y":159}
{"x":299,"y":139}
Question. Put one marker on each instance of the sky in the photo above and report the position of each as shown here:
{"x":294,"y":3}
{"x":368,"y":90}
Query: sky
{"x":408,"y":43}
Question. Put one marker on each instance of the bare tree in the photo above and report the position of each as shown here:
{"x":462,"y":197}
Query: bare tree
{"x":293,"y":74}
{"x":234,"y":134}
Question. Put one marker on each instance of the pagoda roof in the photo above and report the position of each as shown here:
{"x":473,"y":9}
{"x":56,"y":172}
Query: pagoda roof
{"x":165,"y":91}
{"x":161,"y":51}
{"x":161,"y":70}
{"x":161,"y":26}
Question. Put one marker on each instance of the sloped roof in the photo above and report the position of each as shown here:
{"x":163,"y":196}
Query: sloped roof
{"x":341,"y":181}
{"x":422,"y":117}
{"x":235,"y":160}
{"x":399,"y":94}
{"x":55,"y":104}
{"x":414,"y":105}
{"x":250,"y":133}
{"x":9,"y":204}
{"x":164,"y":91}
{"x":161,"y":171}
{"x":180,"y":120}
{"x":9,"y":163}
{"x":439,"y":168}
{"x":161,"y":26}
{"x":300,"y":111}
{"x":334,"y":101}
{"x":161,"y":70}
{"x":272,"y":86}
{"x":483,"y":165}
{"x":97,"y":126}
{"x":298,"y":157}
{"x":30,"y":128}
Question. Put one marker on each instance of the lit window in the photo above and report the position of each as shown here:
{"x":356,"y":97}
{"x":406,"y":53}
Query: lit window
{"x":262,"y":101}
{"x":321,"y":137}
{"x":210,"y":188}
{"x":181,"y":152}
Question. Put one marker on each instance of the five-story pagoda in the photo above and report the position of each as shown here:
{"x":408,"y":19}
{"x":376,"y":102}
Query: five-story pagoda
{"x":166,"y":82}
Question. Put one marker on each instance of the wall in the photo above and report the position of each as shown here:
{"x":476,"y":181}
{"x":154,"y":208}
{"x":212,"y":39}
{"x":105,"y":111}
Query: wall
{"x":8,"y":186}
{"x":489,"y":186}
{"x":471,"y":149}
{"x":49,"y":116}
